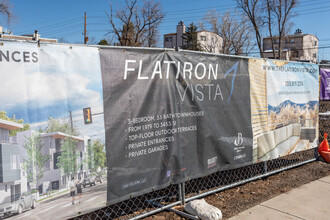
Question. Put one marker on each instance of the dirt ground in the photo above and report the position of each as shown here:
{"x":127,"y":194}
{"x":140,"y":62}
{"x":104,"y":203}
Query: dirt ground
{"x":238,"y":199}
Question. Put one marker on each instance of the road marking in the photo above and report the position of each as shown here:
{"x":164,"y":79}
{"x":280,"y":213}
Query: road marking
{"x":69,"y":204}
{"x":23,"y":215}
{"x":46,"y":209}
{"x":91,"y":199}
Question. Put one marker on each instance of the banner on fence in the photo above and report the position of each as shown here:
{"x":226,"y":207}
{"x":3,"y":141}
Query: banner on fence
{"x":45,"y":147}
{"x":325,"y":84}
{"x":173,"y":116}
{"x":284,"y":103}
{"x":152,"y":117}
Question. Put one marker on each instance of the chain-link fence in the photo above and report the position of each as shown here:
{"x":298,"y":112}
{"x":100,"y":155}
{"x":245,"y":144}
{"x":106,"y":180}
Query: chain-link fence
{"x":173,"y":195}
{"x":151,"y":203}
{"x":157,"y":201}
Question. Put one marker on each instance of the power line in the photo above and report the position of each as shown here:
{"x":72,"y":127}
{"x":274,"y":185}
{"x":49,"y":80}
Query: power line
{"x":47,"y":27}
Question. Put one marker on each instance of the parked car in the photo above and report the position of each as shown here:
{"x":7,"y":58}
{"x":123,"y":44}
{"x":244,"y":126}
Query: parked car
{"x":23,"y":202}
{"x":89,"y":181}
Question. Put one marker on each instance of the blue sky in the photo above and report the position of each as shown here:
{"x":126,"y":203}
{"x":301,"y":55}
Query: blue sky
{"x":64,"y":19}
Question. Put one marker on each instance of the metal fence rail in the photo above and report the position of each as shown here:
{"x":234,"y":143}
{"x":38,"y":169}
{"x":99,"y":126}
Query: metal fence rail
{"x":157,"y":201}
{"x":173,"y":195}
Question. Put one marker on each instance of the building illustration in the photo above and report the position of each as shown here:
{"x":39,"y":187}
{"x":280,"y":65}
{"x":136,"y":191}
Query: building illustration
{"x":53,"y":178}
{"x":12,"y":178}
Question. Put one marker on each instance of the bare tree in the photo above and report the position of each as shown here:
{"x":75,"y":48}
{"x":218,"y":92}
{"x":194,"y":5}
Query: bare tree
{"x":236,"y":35}
{"x":273,"y":13}
{"x":5,"y":10}
{"x":282,"y":10}
{"x":270,"y":22}
{"x":134,"y":25}
{"x":254,"y":12}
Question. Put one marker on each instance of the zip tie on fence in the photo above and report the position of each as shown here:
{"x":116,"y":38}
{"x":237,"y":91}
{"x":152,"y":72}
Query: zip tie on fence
{"x":173,"y":210}
{"x":325,"y":113}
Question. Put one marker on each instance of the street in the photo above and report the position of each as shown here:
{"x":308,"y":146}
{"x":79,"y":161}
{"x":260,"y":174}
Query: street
{"x":61,"y":207}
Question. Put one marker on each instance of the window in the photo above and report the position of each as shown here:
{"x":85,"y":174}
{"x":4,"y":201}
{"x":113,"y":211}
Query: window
{"x":315,"y":43}
{"x":14,"y":162}
{"x":168,"y":39}
{"x":4,"y":135}
{"x":314,"y":55}
{"x":292,"y":41}
{"x":203,"y":38}
{"x":56,"y":160}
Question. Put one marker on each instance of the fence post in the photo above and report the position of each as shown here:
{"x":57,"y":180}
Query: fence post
{"x":183,"y":194}
{"x":265,"y":167}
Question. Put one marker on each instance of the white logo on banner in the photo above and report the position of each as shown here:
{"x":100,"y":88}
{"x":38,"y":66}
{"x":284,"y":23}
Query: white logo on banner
{"x":239,"y":140}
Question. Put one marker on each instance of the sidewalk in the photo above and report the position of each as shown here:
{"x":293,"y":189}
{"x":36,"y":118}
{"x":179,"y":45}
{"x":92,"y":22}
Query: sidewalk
{"x":310,"y":201}
{"x":52,"y":196}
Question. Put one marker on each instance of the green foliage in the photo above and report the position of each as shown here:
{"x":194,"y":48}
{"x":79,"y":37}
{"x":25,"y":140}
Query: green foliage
{"x":67,"y":161}
{"x":60,"y":125}
{"x":103,"y":42}
{"x":99,"y":155}
{"x":3,"y":115}
{"x":128,"y":36}
{"x":191,"y":38}
{"x":89,"y":160}
{"x":35,"y":162}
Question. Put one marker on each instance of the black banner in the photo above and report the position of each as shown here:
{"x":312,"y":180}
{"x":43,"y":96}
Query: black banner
{"x":170,"y":116}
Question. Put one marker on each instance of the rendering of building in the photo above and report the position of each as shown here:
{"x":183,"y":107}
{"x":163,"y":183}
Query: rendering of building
{"x":53,"y":178}
{"x":297,"y":47}
{"x":12,"y":179}
{"x":209,"y":41}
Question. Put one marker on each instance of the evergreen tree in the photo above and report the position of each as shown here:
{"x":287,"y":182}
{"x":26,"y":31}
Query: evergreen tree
{"x":103,"y":42}
{"x":191,"y":38}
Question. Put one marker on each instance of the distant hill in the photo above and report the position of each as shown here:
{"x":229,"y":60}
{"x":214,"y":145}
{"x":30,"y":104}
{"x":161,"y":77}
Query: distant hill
{"x":277,"y":109}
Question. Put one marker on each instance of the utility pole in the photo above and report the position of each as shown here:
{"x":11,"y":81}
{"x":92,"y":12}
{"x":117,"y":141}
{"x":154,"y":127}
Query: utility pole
{"x":149,"y":29}
{"x":71,"y":121}
{"x":85,"y":29}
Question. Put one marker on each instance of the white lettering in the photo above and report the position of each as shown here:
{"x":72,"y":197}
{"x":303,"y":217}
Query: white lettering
{"x":140,"y":70}
{"x":157,"y":70}
{"x":128,"y":69}
{"x":168,"y":67}
{"x":187,"y":69}
{"x":204,"y":71}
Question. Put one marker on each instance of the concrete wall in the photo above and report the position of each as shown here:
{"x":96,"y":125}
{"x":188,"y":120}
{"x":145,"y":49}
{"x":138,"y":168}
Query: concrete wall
{"x":172,"y":43}
{"x":213,"y":42}
{"x":7,"y":173}
{"x":5,"y":194}
{"x":309,"y":42}
{"x":294,"y":47}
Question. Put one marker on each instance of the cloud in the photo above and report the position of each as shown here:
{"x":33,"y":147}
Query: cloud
{"x":64,"y":78}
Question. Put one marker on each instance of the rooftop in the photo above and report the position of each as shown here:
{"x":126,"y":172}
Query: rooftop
{"x":61,"y":136}
{"x":9,"y":125}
